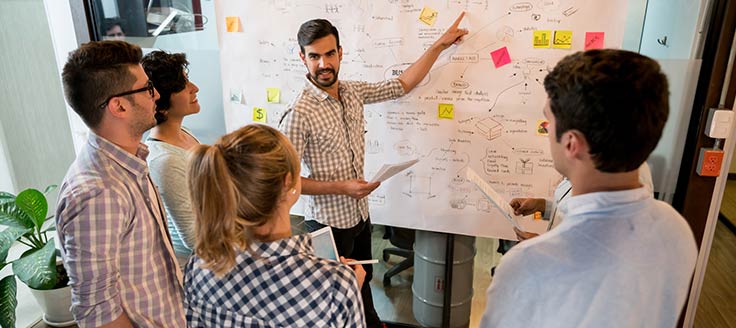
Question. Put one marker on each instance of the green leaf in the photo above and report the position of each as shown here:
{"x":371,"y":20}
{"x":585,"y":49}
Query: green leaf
{"x":7,"y":237}
{"x":12,"y":216}
{"x":33,"y":202}
{"x":6,"y":197}
{"x":37,"y":269}
{"x":8,"y":301}
{"x":49,"y":188}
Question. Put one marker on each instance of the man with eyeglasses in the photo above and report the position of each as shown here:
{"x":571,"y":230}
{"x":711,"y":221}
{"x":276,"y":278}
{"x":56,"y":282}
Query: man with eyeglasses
{"x":112,"y":228}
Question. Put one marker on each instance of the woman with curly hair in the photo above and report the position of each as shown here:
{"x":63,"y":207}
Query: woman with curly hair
{"x":169,"y":144}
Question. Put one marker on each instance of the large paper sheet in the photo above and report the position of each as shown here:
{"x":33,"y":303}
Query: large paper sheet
{"x":479,"y":107}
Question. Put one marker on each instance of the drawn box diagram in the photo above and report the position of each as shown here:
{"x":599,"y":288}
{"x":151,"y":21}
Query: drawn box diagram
{"x":489,"y":128}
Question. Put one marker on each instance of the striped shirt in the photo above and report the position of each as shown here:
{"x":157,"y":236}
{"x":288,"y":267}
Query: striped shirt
{"x":283,"y":284}
{"x":114,"y":240}
{"x":328,"y":134}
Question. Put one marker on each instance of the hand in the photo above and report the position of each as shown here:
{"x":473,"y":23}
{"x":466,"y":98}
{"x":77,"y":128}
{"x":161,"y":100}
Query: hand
{"x":526,"y":206}
{"x":358,"y":189}
{"x":523,"y":235}
{"x":359,"y":271}
{"x":453,"y":35}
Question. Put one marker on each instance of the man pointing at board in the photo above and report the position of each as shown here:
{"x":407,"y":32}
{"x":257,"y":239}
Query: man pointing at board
{"x":325,"y":124}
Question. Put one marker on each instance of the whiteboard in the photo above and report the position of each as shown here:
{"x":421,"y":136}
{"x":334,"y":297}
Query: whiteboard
{"x":492,"y":126}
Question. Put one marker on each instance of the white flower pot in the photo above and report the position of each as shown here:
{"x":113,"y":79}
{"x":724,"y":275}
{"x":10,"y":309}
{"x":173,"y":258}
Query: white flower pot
{"x":56,"y":304}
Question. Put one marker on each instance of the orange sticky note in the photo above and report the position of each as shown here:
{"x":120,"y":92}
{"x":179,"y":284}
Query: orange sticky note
{"x":542,"y":39}
{"x":446,"y":111}
{"x":233,"y":23}
{"x":500,"y":57}
{"x":562,"y":40}
{"x":594,"y":40}
{"x":259,"y":114}
{"x":428,"y":16}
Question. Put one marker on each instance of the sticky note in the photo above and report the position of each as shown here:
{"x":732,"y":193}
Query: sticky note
{"x":542,"y":39}
{"x":562,"y":40}
{"x":446,"y":111}
{"x":259,"y":115}
{"x":542,"y":127}
{"x":273,"y":95}
{"x":236,"y":96}
{"x":594,"y":40}
{"x":233,"y":23}
{"x":500,"y":57}
{"x":428,"y":16}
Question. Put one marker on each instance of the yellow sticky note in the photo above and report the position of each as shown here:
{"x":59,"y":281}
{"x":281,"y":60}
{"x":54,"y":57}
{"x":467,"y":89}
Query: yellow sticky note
{"x":259,"y":115}
{"x":562,"y":40}
{"x":273,"y":95}
{"x":428,"y":16}
{"x":446,"y":111}
{"x":542,"y":39}
{"x":233,"y":23}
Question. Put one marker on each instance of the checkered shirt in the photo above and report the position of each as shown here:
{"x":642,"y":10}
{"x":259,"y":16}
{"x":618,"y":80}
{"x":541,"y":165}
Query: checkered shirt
{"x":329,"y":136}
{"x":114,"y":240}
{"x":283,"y":285}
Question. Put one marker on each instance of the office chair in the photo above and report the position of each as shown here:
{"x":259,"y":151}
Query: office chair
{"x":403,"y":239}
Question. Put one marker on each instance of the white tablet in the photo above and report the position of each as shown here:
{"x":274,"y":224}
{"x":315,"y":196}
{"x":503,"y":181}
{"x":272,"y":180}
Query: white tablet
{"x":324,"y":244}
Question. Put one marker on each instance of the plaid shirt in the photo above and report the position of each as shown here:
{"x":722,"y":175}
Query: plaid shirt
{"x":328,"y":135}
{"x":282,"y":285}
{"x":116,"y":247}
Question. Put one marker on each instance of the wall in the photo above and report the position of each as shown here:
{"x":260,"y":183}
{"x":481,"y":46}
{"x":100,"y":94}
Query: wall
{"x":35,"y":128}
{"x":35,"y":138}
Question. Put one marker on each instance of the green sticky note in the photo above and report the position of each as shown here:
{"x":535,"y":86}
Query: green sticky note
{"x":273,"y":95}
{"x":446,"y":111}
{"x":259,"y":114}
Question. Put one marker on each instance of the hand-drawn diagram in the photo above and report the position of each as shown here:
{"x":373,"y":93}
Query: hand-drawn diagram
{"x":491,"y":118}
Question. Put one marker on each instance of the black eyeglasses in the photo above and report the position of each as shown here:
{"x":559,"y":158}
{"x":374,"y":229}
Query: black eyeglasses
{"x":148,"y":87}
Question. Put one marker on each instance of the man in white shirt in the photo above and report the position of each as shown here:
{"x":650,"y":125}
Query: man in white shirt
{"x":620,"y":258}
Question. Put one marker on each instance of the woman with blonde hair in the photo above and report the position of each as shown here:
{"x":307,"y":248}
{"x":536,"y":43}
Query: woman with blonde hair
{"x":248,"y":270}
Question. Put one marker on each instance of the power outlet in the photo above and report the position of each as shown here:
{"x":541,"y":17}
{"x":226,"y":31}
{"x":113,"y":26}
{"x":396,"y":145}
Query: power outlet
{"x":709,"y":163}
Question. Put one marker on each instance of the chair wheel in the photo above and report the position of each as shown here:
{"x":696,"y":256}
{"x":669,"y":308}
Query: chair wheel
{"x":386,"y":281}
{"x":386,"y":256}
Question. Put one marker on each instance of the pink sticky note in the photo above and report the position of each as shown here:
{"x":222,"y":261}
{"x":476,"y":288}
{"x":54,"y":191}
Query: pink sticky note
{"x":500,"y":57}
{"x":594,"y":40}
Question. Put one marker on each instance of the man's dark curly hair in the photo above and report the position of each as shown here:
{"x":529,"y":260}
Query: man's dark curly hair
{"x":168,"y":74}
{"x":618,"y":99}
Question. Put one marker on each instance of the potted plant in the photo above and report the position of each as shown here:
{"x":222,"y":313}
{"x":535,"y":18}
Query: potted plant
{"x":25,"y":220}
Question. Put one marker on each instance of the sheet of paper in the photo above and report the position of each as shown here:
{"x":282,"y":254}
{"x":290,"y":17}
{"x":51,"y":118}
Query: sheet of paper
{"x":542,"y":38}
{"x":562,"y":40}
{"x":500,"y":57}
{"x":594,"y":40}
{"x":232,"y":23}
{"x":493,"y":196}
{"x":428,"y":16}
{"x":259,"y":115}
{"x":389,"y":170}
{"x":273,"y":95}
{"x":446,"y":111}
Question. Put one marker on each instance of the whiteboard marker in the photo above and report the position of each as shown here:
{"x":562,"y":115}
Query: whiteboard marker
{"x":374,"y":261}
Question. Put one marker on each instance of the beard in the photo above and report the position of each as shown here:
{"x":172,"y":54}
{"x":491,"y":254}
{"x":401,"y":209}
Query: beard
{"x":145,"y":119}
{"x":322,"y":82}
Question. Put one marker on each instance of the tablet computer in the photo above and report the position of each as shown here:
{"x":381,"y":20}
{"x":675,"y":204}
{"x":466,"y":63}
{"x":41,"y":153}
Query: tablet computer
{"x":324,"y":244}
